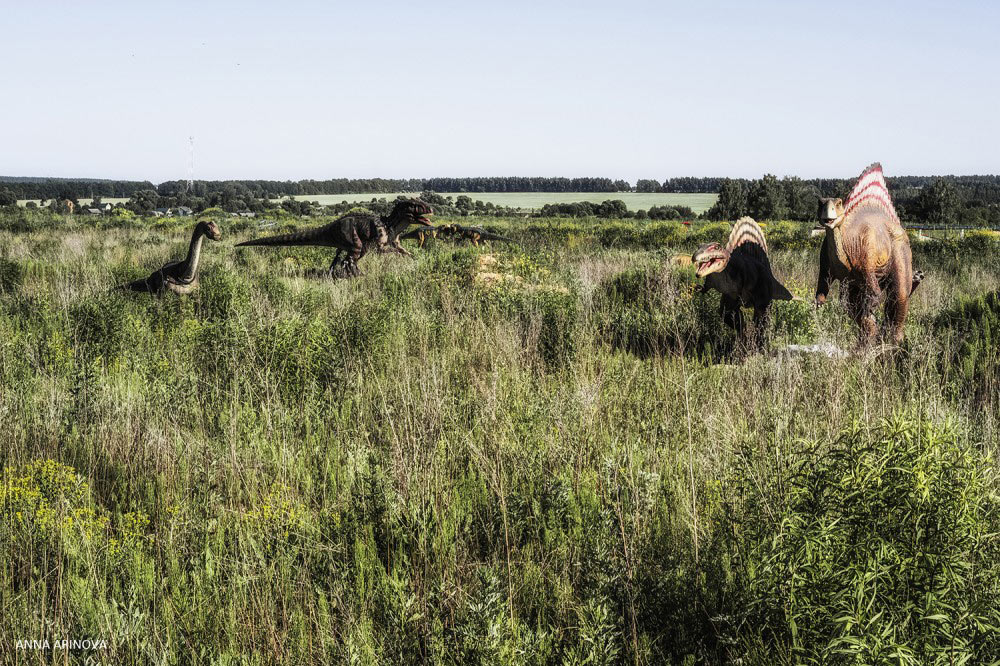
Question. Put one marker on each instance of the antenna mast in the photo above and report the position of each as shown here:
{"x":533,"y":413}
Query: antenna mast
{"x":190,"y":184}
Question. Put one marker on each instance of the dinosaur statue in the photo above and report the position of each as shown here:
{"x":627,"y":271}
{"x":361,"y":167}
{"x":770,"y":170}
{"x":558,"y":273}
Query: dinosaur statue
{"x":741,"y":272}
{"x":455,"y":232}
{"x":458,"y":233}
{"x":867,"y":249}
{"x":180,"y":277}
{"x":422,"y":234}
{"x":355,"y":233}
{"x":476,"y":234}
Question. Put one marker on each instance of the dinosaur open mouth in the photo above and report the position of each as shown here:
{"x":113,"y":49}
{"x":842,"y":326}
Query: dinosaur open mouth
{"x":706,"y":266}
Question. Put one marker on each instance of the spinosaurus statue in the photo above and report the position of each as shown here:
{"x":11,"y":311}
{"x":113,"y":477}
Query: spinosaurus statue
{"x":180,"y":277}
{"x":355,"y":233}
{"x":867,"y":249}
{"x":741,"y":272}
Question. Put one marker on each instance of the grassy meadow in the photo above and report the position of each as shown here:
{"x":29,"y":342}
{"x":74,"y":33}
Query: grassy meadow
{"x":548,"y":453}
{"x":699,"y":203}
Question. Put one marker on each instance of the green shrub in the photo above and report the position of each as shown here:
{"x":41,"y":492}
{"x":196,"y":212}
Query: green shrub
{"x":972,"y":327}
{"x":648,"y":311}
{"x":11,"y":276}
{"x":881,"y":549}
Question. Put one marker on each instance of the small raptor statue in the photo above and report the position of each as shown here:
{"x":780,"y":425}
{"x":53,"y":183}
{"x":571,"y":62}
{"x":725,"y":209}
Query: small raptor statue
{"x":180,"y":277}
{"x":867,"y":249}
{"x":355,"y":233}
{"x":455,"y":232}
{"x":741,"y":272}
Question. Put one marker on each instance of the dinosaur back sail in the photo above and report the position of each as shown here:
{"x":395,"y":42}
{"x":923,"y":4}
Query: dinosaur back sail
{"x":745,"y":232}
{"x":871,"y":190}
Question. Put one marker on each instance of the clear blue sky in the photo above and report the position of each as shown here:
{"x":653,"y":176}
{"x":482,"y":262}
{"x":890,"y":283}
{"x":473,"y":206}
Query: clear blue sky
{"x":626,"y":89}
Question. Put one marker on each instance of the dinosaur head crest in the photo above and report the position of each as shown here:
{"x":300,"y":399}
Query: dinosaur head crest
{"x":211,"y":229}
{"x":411,"y":211}
{"x":831,"y":212}
{"x":710,"y":258}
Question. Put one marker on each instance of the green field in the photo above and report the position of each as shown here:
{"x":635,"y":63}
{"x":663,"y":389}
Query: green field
{"x":699,"y":203}
{"x":547,"y":453}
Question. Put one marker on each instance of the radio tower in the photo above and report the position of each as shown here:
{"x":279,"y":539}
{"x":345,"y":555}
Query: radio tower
{"x":190,"y":187}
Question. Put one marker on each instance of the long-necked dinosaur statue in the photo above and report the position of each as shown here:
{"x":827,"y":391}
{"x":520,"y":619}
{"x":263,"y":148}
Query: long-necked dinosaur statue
{"x":741,"y":272}
{"x":867,"y":249}
{"x":355,"y":233}
{"x":180,"y":277}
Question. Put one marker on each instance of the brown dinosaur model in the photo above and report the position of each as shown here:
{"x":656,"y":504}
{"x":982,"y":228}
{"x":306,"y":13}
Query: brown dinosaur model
{"x":355,"y":233}
{"x":867,"y":249}
{"x":741,"y":272}
{"x":422,"y":234}
{"x":180,"y":277}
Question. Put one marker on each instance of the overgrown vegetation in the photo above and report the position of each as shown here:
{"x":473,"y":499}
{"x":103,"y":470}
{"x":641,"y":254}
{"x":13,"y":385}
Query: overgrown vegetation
{"x":550,"y":453}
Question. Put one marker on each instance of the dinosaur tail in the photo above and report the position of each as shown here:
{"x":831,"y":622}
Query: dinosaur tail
{"x":297,"y":238}
{"x":140,"y":285}
{"x":778,"y":291}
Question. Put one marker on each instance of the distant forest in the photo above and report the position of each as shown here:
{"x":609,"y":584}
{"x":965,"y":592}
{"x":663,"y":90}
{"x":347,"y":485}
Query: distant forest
{"x":47,"y":188}
{"x":972,"y":200}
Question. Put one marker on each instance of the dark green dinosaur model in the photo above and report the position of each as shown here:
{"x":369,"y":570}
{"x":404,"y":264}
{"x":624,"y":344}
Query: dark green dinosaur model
{"x":741,"y":272}
{"x":180,"y":277}
{"x":355,"y":233}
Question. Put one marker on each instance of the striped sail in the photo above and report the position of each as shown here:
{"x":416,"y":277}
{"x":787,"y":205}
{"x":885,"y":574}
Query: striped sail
{"x":871,"y":190}
{"x":746,"y":231}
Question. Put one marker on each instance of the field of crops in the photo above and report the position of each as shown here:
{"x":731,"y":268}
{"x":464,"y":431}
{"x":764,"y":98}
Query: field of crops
{"x":544,"y":453}
{"x":699,"y":203}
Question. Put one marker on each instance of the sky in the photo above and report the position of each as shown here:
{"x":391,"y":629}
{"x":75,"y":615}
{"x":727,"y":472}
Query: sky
{"x":629,"y":89}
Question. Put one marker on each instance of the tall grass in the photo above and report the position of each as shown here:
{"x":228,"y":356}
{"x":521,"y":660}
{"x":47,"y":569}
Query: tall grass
{"x":529,"y":455}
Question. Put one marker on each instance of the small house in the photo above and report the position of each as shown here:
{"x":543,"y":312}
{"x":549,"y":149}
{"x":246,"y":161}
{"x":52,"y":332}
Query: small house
{"x":183,"y":211}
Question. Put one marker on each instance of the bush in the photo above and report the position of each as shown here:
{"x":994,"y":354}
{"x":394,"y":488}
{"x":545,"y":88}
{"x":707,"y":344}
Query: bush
{"x":881,"y":549}
{"x":973,"y":327}
{"x":647,"y":311}
{"x":11,"y":276}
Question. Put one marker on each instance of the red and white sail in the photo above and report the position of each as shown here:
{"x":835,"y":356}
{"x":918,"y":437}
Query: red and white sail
{"x":871,"y":190}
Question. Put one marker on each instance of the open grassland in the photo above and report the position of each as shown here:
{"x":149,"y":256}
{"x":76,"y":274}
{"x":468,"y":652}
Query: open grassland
{"x":550,"y":453}
{"x":699,"y":203}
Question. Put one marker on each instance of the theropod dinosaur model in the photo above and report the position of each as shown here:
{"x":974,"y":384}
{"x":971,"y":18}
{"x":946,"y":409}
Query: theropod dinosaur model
{"x":455,"y":232}
{"x":355,"y":233}
{"x":180,"y":277}
{"x":867,"y":249}
{"x":422,"y":234}
{"x":741,"y":272}
{"x":476,"y":234}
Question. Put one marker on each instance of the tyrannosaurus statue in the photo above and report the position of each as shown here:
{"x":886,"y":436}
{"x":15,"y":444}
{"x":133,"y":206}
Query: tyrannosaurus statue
{"x":867,"y":249}
{"x":180,"y":277}
{"x":741,"y":272}
{"x":355,"y":233}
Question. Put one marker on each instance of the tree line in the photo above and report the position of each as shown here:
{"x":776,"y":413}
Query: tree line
{"x":961,"y":200}
{"x":966,"y":200}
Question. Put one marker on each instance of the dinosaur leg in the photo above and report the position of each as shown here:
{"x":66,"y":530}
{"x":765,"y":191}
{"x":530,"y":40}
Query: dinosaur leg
{"x":761,"y":326}
{"x":732,"y":314}
{"x":823,"y":286}
{"x":897,"y":304}
{"x":861,"y":305}
{"x":335,"y":264}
